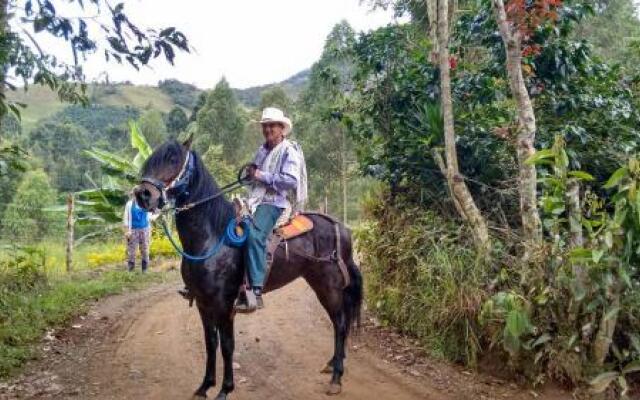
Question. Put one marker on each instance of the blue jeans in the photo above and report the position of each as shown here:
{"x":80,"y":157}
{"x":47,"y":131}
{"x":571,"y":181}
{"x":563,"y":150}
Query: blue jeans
{"x":255,"y":250}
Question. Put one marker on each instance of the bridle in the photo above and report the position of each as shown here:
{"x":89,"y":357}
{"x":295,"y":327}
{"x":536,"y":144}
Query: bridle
{"x":179,"y":184}
{"x":181,"y":179}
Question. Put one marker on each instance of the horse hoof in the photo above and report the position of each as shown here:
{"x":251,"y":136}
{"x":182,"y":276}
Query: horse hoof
{"x":221,"y":396}
{"x":328,"y":369}
{"x":334,"y":389}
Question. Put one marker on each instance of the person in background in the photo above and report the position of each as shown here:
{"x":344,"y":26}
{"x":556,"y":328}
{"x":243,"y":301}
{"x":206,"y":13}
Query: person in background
{"x":137,"y":232}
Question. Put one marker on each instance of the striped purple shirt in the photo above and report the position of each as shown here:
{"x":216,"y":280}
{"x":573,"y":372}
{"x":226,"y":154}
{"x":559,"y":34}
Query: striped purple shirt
{"x":280,"y":182}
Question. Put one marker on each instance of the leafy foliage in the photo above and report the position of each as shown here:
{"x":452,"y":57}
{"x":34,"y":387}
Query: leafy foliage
{"x":25,"y":218}
{"x":152,"y":127}
{"x":176,"y":121}
{"x":221,"y":121}
{"x":24,"y":59}
{"x":183,"y":94}
{"x":100,"y":208}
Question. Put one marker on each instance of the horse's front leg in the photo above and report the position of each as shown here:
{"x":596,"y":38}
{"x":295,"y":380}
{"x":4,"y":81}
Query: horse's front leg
{"x":211,"y":345}
{"x":227,"y":343}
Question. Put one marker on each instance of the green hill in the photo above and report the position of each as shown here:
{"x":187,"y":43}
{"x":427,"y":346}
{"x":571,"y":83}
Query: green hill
{"x":42,"y":103}
{"x":292,"y":86}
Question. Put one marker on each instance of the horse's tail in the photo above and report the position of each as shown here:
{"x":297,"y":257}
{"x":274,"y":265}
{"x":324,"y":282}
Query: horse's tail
{"x":353,"y":294}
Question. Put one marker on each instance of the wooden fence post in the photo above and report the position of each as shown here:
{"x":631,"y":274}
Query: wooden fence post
{"x":70,"y":221}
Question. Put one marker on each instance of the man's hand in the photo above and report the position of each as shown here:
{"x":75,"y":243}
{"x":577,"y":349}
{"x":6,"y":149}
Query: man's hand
{"x":251,"y":171}
{"x":254,"y":173}
{"x":128,"y":234}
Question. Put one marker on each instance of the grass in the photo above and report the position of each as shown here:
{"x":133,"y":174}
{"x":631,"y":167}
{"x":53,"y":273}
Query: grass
{"x":141,"y":97}
{"x":87,"y":256}
{"x":26,"y":315}
{"x":36,"y":292}
{"x":420,"y":279}
{"x":43,"y":103}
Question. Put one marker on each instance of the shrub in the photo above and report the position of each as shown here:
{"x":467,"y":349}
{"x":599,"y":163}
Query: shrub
{"x":422,"y":278}
{"x":22,"y":268}
{"x":25,"y":218}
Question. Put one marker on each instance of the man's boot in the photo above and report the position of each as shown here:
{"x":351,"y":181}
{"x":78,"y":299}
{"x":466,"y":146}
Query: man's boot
{"x":186,"y":293}
{"x":246,"y":302}
{"x":145,"y":264}
{"x":130,"y":266}
{"x":257,"y":291}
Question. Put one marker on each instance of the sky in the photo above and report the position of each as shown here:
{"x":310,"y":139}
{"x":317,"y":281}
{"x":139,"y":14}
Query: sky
{"x":250,"y":42}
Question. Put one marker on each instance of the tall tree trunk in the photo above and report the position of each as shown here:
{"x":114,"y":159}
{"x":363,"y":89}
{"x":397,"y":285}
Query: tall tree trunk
{"x":343,"y":157}
{"x":70,"y":222}
{"x":526,"y":125}
{"x":459,"y":190}
{"x":576,"y":238}
{"x":606,"y":329}
{"x":432,"y":14}
{"x":4,"y":30}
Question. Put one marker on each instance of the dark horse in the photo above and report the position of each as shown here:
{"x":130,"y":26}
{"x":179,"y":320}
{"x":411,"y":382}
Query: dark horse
{"x":216,"y":282}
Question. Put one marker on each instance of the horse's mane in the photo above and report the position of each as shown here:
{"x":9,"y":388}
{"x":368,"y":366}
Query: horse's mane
{"x":202,"y":184}
{"x":217,"y":210}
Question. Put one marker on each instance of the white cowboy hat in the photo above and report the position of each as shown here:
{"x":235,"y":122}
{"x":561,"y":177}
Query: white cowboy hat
{"x":272,"y":114}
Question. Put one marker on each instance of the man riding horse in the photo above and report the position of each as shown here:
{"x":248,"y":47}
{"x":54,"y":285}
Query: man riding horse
{"x":320,"y":250}
{"x":278,"y":175}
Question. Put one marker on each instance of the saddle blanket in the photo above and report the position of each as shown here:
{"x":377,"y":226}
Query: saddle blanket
{"x":297,"y":225}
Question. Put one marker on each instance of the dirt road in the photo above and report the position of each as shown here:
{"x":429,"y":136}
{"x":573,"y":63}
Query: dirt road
{"x":148,"y":345}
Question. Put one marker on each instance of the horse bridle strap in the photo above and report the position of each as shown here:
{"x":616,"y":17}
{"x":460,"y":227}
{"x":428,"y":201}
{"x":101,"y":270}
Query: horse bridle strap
{"x":158,"y":184}
{"x":182,"y":171}
{"x":162,"y":187}
{"x":185,"y":173}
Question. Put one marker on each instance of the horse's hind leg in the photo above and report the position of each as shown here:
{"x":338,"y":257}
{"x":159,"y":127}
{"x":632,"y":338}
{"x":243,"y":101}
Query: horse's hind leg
{"x":211,"y":345}
{"x":340,"y":336}
{"x":227,"y":343}
{"x":331,"y":299}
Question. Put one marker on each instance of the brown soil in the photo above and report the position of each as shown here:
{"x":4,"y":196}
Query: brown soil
{"x":148,"y":345}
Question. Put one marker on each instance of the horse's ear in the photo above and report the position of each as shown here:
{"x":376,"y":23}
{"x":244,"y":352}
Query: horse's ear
{"x":187,"y":143}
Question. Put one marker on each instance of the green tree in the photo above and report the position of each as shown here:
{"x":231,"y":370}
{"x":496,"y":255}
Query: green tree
{"x":25,"y":218}
{"x":275,"y":96}
{"x":200,"y":102}
{"x":176,"y":121}
{"x":324,"y":123}
{"x":53,"y":142}
{"x":120,"y":40}
{"x":183,"y":94}
{"x":152,"y":127}
{"x":214,"y":160}
{"x":221,"y":121}
{"x":23,"y":58}
{"x":612,"y":30}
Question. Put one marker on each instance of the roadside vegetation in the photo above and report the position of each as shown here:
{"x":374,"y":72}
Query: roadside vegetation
{"x":485,"y":153}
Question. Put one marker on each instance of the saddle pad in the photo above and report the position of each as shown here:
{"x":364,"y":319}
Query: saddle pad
{"x":296,"y":226}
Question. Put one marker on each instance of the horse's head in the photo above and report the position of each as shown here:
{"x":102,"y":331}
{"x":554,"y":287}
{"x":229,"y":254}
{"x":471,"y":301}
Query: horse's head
{"x":161,"y":171}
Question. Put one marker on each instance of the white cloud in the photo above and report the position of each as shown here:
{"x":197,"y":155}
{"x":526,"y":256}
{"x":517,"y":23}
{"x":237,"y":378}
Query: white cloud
{"x":250,"y":42}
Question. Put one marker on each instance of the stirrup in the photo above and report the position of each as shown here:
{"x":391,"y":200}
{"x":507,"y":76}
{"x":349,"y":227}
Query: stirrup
{"x":187,"y":295}
{"x":246,"y":302}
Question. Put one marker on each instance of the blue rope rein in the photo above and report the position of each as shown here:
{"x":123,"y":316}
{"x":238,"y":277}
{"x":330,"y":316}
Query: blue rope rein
{"x":230,"y":237}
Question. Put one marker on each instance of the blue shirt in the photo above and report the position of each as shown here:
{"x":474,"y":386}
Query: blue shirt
{"x":139,"y":217}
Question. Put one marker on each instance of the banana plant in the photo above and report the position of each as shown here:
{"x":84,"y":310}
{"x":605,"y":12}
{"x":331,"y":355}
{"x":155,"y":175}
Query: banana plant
{"x":100,"y":208}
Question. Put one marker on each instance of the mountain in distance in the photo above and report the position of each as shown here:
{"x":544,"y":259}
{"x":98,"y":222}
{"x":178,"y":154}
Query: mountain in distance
{"x":42,"y":103}
{"x":292,"y":86}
